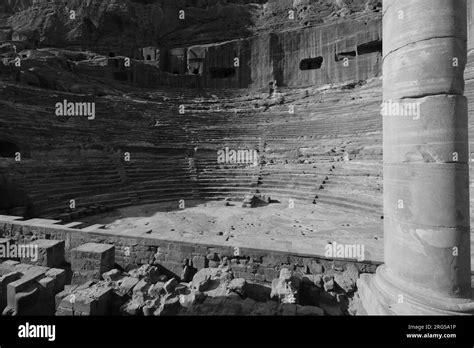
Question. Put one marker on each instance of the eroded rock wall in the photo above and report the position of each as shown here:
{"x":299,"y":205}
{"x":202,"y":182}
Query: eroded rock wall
{"x":121,"y":26}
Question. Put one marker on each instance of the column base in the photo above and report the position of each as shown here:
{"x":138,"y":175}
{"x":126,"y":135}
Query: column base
{"x":382,"y":295}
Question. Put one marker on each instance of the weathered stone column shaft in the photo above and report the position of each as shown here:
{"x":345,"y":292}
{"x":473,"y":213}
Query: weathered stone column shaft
{"x":426,"y":172}
{"x":426,"y":162}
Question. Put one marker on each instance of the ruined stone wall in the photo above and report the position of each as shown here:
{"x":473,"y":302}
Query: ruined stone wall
{"x":131,"y":251}
{"x":92,"y":283}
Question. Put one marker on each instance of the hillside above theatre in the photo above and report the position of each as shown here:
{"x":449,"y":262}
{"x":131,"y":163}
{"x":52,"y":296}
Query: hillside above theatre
{"x":123,"y":25}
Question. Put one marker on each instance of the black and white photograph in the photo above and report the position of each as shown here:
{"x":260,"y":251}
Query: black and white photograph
{"x":194,"y":163}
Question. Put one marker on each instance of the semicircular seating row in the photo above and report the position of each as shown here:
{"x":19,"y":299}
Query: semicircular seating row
{"x":176,"y":158}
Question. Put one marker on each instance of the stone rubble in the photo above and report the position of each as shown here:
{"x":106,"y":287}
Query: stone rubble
{"x":212,"y":291}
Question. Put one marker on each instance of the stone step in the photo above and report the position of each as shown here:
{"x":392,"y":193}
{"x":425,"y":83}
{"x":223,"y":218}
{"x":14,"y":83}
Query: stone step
{"x":92,"y":228}
{"x":10,"y":218}
{"x":46,"y":222}
{"x":73,"y":224}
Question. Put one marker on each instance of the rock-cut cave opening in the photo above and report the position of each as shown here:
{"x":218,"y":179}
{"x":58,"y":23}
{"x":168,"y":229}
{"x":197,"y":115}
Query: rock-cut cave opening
{"x":221,"y":73}
{"x":8,"y":149}
{"x":370,"y":47}
{"x":311,"y":63}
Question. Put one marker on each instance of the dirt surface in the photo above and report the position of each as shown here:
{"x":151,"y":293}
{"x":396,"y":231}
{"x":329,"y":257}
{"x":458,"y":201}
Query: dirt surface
{"x":304,"y":229}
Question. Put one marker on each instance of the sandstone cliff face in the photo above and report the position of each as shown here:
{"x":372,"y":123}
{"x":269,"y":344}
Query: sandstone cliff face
{"x":12,"y":6}
{"x":121,"y":26}
{"x":275,"y":14}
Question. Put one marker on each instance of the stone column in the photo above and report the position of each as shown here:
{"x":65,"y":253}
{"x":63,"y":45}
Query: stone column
{"x":427,"y":268}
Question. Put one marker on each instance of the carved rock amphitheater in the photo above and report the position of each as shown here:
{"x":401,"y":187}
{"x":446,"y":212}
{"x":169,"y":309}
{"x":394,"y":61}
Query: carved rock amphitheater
{"x":227,"y":157}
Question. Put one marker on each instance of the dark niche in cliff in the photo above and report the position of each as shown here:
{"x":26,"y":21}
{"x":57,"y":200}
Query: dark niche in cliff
{"x":343,"y":55}
{"x":8,"y":149}
{"x":311,"y":63}
{"x":370,"y":47}
{"x":221,"y":73}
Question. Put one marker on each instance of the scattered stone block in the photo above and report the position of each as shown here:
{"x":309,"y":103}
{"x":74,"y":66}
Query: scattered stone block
{"x":182,"y":288}
{"x":151,"y":306}
{"x":206,"y":277}
{"x":201,"y":280}
{"x":238,"y":285}
{"x":351,"y":273}
{"x":91,"y":260}
{"x":5,"y":245}
{"x":112,"y":275}
{"x":25,"y":283}
{"x":156,"y":290}
{"x":187,"y":274}
{"x":149,"y":272}
{"x":94,"y":300}
{"x":142,"y":286}
{"x":248,"y":202}
{"x":193,"y":298}
{"x":130,"y":308}
{"x":270,"y":274}
{"x":345,"y":283}
{"x":34,"y":290}
{"x":214,"y":264}
{"x":169,"y":305}
{"x":315,"y":268}
{"x":59,"y":276}
{"x":23,"y":295}
{"x":355,"y":306}
{"x":126,"y":284}
{"x":328,"y":281}
{"x":48,"y":284}
{"x":171,"y":269}
{"x":50,"y":253}
{"x":170,"y":285}
{"x":286,"y":288}
{"x":4,"y":281}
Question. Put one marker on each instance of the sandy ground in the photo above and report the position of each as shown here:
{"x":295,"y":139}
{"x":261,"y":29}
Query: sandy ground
{"x":303,"y":229}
